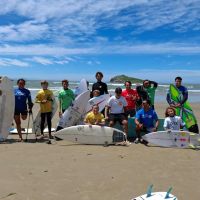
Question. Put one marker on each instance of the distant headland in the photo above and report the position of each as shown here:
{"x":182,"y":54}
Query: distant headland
{"x":123,"y":78}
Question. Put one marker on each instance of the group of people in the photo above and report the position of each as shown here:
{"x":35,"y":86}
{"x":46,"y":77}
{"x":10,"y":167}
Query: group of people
{"x":138,"y":102}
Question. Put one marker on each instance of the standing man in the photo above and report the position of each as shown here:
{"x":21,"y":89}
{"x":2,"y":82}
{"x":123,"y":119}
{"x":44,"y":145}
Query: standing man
{"x":22,"y":97}
{"x":99,"y":85}
{"x":183,"y":90}
{"x":131,"y":97}
{"x":147,"y":91}
{"x":146,"y":121}
{"x":45,"y":98}
{"x":115,"y":110}
{"x":65,"y":97}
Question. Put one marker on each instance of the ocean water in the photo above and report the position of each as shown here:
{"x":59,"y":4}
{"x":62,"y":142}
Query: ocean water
{"x":55,"y":86}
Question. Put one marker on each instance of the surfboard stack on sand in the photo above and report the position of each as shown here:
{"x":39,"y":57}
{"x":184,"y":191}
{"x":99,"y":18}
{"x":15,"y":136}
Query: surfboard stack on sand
{"x":180,"y":139}
{"x":6,"y":106}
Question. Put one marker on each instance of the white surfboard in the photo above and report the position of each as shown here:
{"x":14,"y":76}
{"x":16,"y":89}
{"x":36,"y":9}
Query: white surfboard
{"x":37,"y":120}
{"x":82,"y":87}
{"x":24,"y":131}
{"x":181,"y":139}
{"x":156,"y":195}
{"x":86,"y":134}
{"x":7,"y":103}
{"x":74,"y":113}
{"x":101,"y":101}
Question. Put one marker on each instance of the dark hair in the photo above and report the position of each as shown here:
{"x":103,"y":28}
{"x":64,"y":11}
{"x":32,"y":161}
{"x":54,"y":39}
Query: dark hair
{"x":64,"y":81}
{"x":43,"y":82}
{"x":166,"y":111}
{"x":128,"y":82}
{"x":99,"y":73}
{"x":178,"y":78}
{"x":21,"y":79}
{"x":118,"y":90}
{"x":147,"y":100}
{"x":145,"y":80}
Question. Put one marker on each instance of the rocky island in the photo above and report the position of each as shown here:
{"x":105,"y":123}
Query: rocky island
{"x":123,"y":78}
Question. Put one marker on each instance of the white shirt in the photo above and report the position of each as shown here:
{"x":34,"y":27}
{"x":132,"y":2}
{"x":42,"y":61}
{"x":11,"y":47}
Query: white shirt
{"x":173,"y":123}
{"x":117,"y":105}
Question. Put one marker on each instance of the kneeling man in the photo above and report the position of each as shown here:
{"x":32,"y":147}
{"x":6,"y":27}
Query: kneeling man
{"x":146,"y":120}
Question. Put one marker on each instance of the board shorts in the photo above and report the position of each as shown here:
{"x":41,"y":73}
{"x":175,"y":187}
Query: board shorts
{"x":130,"y":112}
{"x":117,"y":117}
{"x":22,"y":112}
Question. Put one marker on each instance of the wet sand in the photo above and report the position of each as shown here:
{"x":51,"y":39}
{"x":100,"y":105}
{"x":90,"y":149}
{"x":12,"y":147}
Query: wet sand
{"x":65,"y":170}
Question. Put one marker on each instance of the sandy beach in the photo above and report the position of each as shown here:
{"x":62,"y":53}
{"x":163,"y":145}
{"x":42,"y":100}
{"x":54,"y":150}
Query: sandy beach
{"x":63,"y":170}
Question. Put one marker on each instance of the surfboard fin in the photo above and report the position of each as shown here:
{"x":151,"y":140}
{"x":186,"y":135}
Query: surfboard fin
{"x":149,"y":190}
{"x":168,"y":193}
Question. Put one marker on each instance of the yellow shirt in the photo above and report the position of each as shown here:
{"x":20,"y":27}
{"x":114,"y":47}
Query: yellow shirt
{"x":45,"y":95}
{"x":92,"y":118}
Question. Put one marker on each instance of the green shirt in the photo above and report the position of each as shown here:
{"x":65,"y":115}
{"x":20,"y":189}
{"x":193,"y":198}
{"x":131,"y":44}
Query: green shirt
{"x":66,"y":97}
{"x":151,"y":92}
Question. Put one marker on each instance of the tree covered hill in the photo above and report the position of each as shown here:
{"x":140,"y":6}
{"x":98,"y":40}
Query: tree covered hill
{"x":123,"y":78}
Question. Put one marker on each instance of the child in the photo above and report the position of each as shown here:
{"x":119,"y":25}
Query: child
{"x":45,"y":98}
{"x":172,"y":121}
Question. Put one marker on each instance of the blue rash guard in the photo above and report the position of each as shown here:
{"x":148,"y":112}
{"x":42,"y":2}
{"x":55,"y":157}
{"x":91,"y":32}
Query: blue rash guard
{"x":146,"y":118}
{"x":21,"y":97}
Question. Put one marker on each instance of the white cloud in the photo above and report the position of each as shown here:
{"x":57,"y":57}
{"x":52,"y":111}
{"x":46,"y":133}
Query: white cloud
{"x":89,"y":62}
{"x":27,"y":31}
{"x":68,"y":27}
{"x":13,"y":62}
{"x":43,"y":61}
{"x":43,"y":50}
{"x":51,"y":50}
{"x":78,"y":20}
{"x":62,"y":62}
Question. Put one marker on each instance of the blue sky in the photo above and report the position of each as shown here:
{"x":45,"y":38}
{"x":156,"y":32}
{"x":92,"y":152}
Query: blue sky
{"x":68,"y":39}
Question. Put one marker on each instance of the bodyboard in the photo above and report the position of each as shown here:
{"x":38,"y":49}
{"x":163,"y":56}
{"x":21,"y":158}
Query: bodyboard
{"x":185,"y":111}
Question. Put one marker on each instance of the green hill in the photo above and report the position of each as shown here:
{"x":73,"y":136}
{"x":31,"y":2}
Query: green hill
{"x":123,"y":78}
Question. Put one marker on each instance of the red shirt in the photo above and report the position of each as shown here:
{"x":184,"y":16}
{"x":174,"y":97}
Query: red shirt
{"x":131,"y":96}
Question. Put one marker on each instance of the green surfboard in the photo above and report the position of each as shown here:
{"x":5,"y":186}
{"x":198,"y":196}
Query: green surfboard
{"x":185,"y":111}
